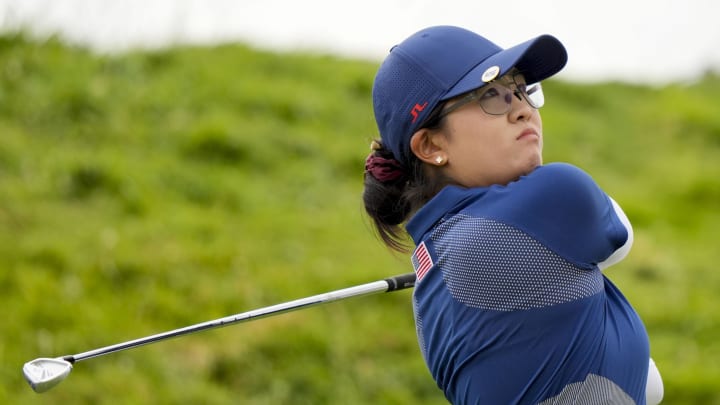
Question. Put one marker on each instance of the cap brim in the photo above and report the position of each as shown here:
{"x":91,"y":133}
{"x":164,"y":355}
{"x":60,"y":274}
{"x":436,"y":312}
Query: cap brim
{"x":538,"y":59}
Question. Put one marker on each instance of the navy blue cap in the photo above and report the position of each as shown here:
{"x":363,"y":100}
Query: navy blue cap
{"x":441,"y":62}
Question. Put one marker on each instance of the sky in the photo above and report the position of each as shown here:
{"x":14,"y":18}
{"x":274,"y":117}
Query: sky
{"x":644,"y":41}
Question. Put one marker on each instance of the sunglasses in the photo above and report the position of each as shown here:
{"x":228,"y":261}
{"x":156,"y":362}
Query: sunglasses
{"x":495,"y":98}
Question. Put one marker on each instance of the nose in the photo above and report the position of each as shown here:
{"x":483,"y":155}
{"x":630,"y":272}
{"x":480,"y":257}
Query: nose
{"x":520,"y":109}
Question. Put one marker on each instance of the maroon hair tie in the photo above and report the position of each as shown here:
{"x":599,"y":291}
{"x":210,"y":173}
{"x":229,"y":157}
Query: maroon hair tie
{"x":383,"y":169}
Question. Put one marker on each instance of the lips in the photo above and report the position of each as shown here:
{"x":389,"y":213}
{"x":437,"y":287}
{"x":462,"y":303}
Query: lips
{"x":527,"y":133}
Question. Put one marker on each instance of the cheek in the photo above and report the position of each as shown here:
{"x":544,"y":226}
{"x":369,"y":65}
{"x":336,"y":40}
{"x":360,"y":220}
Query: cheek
{"x":538,"y":123}
{"x":536,"y":120}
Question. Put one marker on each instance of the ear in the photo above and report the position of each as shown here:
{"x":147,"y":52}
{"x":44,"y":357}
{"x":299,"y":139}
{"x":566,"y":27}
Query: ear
{"x":428,"y":146}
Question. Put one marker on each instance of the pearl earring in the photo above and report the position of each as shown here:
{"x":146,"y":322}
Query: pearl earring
{"x":439,"y":160}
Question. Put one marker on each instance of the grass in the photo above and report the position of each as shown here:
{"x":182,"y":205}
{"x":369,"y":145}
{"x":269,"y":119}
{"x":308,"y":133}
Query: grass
{"x":152,"y":190}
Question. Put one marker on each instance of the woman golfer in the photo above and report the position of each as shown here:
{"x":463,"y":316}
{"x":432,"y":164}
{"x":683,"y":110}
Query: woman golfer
{"x":511,"y":305}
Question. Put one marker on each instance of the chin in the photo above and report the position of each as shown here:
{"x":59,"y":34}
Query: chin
{"x":533,"y":163}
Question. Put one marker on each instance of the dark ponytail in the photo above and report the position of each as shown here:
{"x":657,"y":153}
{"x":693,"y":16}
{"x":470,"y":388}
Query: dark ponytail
{"x":385,"y":200}
{"x":391,"y":202}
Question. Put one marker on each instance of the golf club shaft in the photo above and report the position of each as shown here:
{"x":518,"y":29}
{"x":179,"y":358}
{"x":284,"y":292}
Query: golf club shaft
{"x":387,"y":285}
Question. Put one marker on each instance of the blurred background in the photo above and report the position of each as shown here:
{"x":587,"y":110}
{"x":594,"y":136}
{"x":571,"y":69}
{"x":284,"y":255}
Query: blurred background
{"x":164,"y":163}
{"x":637,"y":41}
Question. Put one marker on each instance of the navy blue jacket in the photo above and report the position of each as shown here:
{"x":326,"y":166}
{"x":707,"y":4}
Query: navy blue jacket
{"x":511,"y":306}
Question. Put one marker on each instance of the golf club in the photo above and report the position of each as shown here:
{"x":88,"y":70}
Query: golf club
{"x":44,"y":373}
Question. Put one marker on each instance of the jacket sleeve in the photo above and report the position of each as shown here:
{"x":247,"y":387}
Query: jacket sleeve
{"x":623,"y":250}
{"x":562,"y":207}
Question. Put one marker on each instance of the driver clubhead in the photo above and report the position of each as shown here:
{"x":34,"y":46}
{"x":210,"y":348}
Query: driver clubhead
{"x":44,"y":373}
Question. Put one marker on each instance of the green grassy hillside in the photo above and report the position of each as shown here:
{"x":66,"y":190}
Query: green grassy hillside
{"x":153,"y":190}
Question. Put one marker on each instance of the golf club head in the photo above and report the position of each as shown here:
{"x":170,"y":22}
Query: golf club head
{"x":43,"y":374}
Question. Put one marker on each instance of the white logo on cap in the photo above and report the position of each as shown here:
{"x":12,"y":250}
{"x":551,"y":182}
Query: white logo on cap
{"x":490,"y":73}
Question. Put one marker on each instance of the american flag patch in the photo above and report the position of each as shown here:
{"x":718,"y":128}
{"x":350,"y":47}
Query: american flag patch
{"x":422,"y":261}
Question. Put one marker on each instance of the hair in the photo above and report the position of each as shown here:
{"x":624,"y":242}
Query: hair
{"x":391,"y":203}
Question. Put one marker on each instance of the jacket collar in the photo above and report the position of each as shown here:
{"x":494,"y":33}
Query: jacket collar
{"x":449,"y":200}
